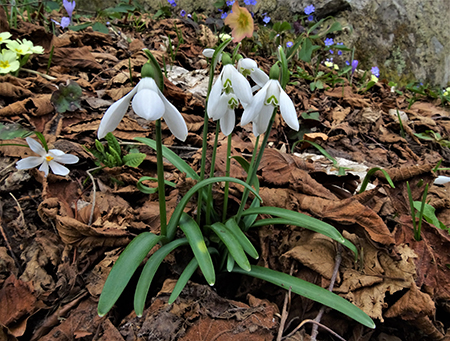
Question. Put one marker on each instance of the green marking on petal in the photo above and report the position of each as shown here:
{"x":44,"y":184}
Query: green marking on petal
{"x":233,"y":103}
{"x":272,"y":100}
{"x":227,"y":86}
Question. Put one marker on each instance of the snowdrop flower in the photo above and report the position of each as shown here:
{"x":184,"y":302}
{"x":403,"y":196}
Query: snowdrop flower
{"x":148,"y":102}
{"x":52,"y":158}
{"x":260,"y":110}
{"x":441,"y":180}
{"x":248,"y":67}
{"x":229,"y":88}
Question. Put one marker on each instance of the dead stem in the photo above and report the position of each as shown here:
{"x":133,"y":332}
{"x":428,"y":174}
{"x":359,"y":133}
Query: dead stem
{"x":5,"y":237}
{"x":94,"y":194}
{"x":284,"y":313}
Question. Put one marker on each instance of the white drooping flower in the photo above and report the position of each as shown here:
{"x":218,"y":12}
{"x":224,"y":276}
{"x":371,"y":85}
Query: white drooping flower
{"x":52,"y":158}
{"x":148,"y":102}
{"x":229,"y":88}
{"x":248,"y":67}
{"x":260,"y":110}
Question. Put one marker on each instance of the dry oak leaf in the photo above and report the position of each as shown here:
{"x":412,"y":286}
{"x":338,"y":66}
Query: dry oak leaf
{"x":37,"y":106}
{"x":75,"y":57}
{"x":411,"y":305}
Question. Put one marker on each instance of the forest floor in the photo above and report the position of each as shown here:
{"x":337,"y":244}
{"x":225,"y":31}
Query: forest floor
{"x":53,"y":263}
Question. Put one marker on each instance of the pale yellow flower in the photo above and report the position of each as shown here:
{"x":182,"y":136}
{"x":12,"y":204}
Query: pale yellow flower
{"x":18,"y":47}
{"x":374,"y":78}
{"x":4,"y":37}
{"x":8,"y":61}
{"x":241,"y":22}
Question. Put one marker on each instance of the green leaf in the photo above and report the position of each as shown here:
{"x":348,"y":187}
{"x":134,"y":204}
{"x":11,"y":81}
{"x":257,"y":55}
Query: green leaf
{"x":115,"y":158}
{"x":173,"y":158}
{"x":80,"y":27}
{"x":150,"y":190}
{"x":184,"y":278}
{"x":113,"y":144}
{"x":124,"y":268}
{"x":297,"y":219}
{"x":67,"y":97}
{"x":284,"y":67}
{"x":247,"y":245}
{"x":429,"y":213}
{"x":133,"y":159}
{"x":336,"y":26}
{"x":9,"y":131}
{"x":309,"y":290}
{"x":372,"y":172}
{"x":217,"y":53}
{"x":197,"y":242}
{"x":149,"y":272}
{"x":248,"y":220}
{"x":176,"y":215}
{"x":306,"y":50}
{"x":246,"y":166}
{"x":233,"y":245}
{"x":99,"y":27}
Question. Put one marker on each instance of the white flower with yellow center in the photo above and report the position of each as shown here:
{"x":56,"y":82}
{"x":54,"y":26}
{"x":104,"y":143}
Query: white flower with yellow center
{"x":52,"y":158}
{"x":4,"y":37}
{"x":229,"y":88}
{"x":260,"y":110}
{"x":32,"y":48}
{"x":8,"y":62}
{"x":149,"y":103}
{"x":18,"y":47}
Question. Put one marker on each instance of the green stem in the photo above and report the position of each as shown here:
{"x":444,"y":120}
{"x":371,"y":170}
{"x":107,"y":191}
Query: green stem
{"x":211,"y":174}
{"x":161,"y":185}
{"x":227,"y":184}
{"x":253,"y":168}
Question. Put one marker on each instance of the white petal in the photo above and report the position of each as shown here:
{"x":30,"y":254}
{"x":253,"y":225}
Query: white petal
{"x":264,"y":118}
{"x":241,"y":87}
{"x":214,"y":97}
{"x":173,"y":119}
{"x":247,"y":63}
{"x":288,"y":112}
{"x":44,"y":168}
{"x":35,"y":146}
{"x":147,"y":104}
{"x":259,"y":77}
{"x":66,"y":158}
{"x":58,"y":169}
{"x":227,"y":122}
{"x":55,"y":152}
{"x":440,"y":180}
{"x":221,"y":107}
{"x":253,"y":109}
{"x":29,"y":162}
{"x":114,"y":115}
{"x":147,"y":83}
{"x":208,"y":53}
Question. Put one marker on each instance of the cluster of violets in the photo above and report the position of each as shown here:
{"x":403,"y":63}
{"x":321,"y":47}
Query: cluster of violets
{"x":16,"y":53}
{"x":66,"y":21}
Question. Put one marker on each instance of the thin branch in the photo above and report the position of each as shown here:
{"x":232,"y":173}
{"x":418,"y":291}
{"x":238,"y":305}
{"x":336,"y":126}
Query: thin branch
{"x":94,"y":194}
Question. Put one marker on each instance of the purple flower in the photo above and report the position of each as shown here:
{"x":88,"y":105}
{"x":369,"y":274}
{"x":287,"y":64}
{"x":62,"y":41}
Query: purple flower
{"x":266,"y":19}
{"x":329,"y":42}
{"x":250,"y":2}
{"x":182,"y":12}
{"x":172,"y":2}
{"x":310,"y":18}
{"x":230,"y":3}
{"x":224,"y":15}
{"x":65,"y":21}
{"x":309,"y":9}
{"x":331,"y":51}
{"x":375,"y":71}
{"x":289,"y":44}
{"x":339,"y":52}
{"x":354,"y":65}
{"x":347,"y":62}
{"x":189,"y":15}
{"x":69,"y":6}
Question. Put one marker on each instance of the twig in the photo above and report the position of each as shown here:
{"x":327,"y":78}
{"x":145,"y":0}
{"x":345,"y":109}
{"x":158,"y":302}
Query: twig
{"x":5,"y":237}
{"x":337,"y":263}
{"x":315,"y":323}
{"x":94,"y":194}
{"x":20,"y":209}
{"x":47,"y":77}
{"x":284,"y":313}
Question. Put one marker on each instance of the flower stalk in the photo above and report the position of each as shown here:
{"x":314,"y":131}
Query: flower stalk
{"x":161,"y":185}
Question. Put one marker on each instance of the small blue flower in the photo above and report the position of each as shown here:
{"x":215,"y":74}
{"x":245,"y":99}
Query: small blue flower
{"x":182,"y":12}
{"x":347,"y":62}
{"x":250,"y":2}
{"x":230,"y":3}
{"x":266,"y":19}
{"x":329,"y":41}
{"x":339,"y":52}
{"x":309,"y":9}
{"x":310,"y":18}
{"x":375,"y":71}
{"x":224,"y":15}
{"x":354,"y":65}
{"x":331,"y":51}
{"x":172,"y":2}
{"x":289,"y":44}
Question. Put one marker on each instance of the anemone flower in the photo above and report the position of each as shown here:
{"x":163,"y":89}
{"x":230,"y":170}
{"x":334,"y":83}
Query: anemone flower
{"x":69,"y":6}
{"x":229,"y":88}
{"x":52,"y":158}
{"x":149,"y":103}
{"x":260,"y":110}
{"x":241,"y":22}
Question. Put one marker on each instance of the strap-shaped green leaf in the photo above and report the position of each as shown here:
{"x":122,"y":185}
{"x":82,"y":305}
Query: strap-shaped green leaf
{"x":247,"y":245}
{"x":298,"y":219}
{"x":232,"y":243}
{"x":309,"y":290}
{"x":184,"y":278}
{"x":157,"y":75}
{"x":172,"y":226}
{"x":151,"y":190}
{"x":173,"y":158}
{"x":284,"y":67}
{"x":124,"y":268}
{"x":283,"y":221}
{"x":149,"y":272}
{"x":230,"y":262}
{"x":248,"y":220}
{"x":197,"y":242}
{"x":372,"y":172}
